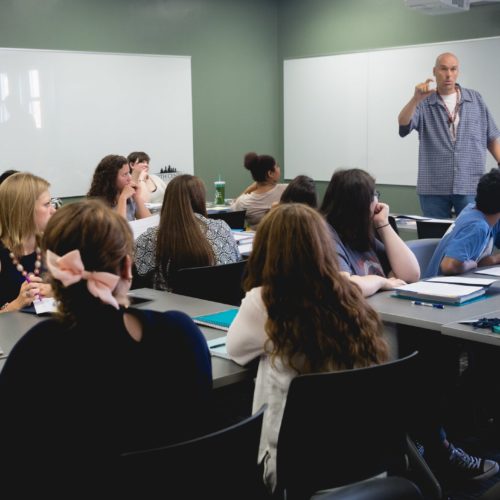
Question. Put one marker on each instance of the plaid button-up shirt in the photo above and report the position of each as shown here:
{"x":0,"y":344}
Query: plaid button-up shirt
{"x":445,"y":166}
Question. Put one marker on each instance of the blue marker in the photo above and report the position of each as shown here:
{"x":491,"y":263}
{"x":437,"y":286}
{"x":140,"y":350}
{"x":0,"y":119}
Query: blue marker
{"x":428,"y":304}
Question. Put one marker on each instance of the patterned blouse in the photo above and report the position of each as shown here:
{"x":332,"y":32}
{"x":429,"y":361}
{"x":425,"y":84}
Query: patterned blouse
{"x":217,"y":233}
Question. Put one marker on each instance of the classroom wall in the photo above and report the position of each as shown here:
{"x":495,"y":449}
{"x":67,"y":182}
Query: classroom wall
{"x":237,"y":49}
{"x":235,"y":68}
{"x":320,"y":27}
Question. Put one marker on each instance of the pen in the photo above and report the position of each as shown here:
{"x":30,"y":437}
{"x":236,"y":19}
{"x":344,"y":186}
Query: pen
{"x":217,"y":345}
{"x":27,"y":278}
{"x":428,"y":304}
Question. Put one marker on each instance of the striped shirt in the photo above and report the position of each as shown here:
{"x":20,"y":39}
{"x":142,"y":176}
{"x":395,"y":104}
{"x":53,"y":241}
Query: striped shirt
{"x":445,"y":166}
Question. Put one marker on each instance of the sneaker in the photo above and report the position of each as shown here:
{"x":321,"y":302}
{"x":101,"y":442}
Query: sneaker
{"x":420,"y":447}
{"x":470,"y":467}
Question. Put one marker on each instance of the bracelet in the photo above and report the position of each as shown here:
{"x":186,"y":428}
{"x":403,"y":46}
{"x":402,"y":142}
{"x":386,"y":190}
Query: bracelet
{"x":385,"y":225}
{"x":4,"y":307}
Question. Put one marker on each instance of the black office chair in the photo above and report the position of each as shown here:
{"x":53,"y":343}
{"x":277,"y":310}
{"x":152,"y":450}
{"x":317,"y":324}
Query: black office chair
{"x":220,"y":283}
{"x":343,"y":427}
{"x":387,"y":488}
{"x":432,"y":229}
{"x":235,"y":218}
{"x":221,"y":465}
{"x":424,"y":250}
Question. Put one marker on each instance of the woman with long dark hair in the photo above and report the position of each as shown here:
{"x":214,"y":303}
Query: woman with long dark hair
{"x":369,"y":250}
{"x":185,"y":237}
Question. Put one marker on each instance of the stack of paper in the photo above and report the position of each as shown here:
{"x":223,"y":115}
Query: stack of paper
{"x":447,"y":293}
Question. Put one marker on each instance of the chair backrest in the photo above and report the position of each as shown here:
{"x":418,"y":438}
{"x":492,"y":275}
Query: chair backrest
{"x":235,"y":218}
{"x":345,"y":426}
{"x":220,"y":465}
{"x":432,"y":229}
{"x":423,"y":250}
{"x":222,"y":283}
{"x":387,"y":488}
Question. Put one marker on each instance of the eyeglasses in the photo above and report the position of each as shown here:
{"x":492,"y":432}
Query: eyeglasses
{"x":56,"y":203}
{"x":376,"y":194}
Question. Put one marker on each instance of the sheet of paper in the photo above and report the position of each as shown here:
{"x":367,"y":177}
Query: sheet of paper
{"x":462,"y":280}
{"x":217,"y":347}
{"x":45,"y":305}
{"x":140,"y":225}
{"x":492,"y":271}
{"x":246,"y":248}
{"x":439,"y":289}
{"x":243,"y":236}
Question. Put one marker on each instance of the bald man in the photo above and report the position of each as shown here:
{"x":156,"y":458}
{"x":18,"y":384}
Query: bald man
{"x":455,"y":129}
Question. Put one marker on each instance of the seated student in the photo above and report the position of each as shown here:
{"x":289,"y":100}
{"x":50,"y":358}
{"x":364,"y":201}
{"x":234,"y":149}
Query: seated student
{"x":310,"y":321}
{"x":185,"y":236}
{"x":154,"y":186}
{"x":469,"y":242}
{"x":352,"y":208}
{"x":257,"y":199}
{"x":113,"y":184}
{"x":97,"y":379}
{"x":300,"y":190}
{"x":6,"y":174}
{"x":25,"y":209}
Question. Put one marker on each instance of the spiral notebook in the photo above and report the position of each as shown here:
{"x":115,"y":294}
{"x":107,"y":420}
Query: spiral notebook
{"x":221,"y":320}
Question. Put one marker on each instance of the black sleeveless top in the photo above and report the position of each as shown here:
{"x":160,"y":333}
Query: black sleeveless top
{"x":10,"y":278}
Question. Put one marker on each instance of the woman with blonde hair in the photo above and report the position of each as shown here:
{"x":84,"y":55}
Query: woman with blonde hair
{"x":25,"y":208}
{"x":98,"y":379}
{"x":299,"y":315}
{"x":185,"y":236}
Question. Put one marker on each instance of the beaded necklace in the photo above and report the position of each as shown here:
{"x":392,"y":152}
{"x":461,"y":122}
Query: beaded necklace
{"x":20,"y":267}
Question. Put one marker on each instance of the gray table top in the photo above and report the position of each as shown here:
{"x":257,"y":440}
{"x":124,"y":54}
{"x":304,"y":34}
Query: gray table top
{"x":467,"y":332}
{"x":403,"y":312}
{"x":13,"y":325}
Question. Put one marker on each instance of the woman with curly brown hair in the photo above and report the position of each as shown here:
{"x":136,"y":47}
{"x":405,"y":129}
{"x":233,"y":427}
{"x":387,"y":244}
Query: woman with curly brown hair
{"x":113,"y":184}
{"x":300,"y":315}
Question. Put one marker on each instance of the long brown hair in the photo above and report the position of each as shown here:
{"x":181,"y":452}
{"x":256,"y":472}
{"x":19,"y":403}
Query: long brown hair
{"x":18,"y":196}
{"x":181,"y":241}
{"x":317,"y":319}
{"x":104,"y":240}
{"x":347,"y":207}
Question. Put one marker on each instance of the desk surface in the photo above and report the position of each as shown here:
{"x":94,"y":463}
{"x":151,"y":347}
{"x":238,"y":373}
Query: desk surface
{"x":467,"y":332}
{"x":13,"y":325}
{"x":403,"y":312}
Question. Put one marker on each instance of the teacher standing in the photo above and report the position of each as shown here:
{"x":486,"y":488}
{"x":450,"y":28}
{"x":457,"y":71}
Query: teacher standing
{"x":455,"y":128}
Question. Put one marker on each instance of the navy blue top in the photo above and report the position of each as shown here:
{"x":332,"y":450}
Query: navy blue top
{"x":10,"y":278}
{"x":89,"y":392}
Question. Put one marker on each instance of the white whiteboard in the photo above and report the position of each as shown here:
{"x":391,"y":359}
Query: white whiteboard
{"x":62,"y":111}
{"x":342,"y":110}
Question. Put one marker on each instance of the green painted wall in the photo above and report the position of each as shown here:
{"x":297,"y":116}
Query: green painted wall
{"x":235,"y":69}
{"x":237,"y":49}
{"x":320,"y":27}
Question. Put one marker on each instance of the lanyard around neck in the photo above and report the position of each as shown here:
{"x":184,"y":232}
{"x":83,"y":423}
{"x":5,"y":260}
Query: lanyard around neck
{"x":452,"y":116}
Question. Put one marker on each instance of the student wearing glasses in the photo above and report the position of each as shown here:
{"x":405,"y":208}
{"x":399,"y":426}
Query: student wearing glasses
{"x":368,"y":248}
